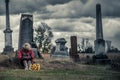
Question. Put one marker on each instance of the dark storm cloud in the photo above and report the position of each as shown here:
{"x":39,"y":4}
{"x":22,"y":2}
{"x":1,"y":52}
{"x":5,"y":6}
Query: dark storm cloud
{"x":63,"y":8}
{"x":2,"y":8}
{"x":110,"y":7}
{"x":63,"y":29}
{"x":83,"y":8}
{"x":84,"y":1}
{"x":29,"y":6}
{"x":117,"y":37}
{"x":24,"y":6}
{"x":55,"y":2}
{"x":115,"y":40}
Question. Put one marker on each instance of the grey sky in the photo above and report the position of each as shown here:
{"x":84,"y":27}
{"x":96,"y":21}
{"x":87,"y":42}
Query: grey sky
{"x":73,"y":8}
{"x":65,"y":17}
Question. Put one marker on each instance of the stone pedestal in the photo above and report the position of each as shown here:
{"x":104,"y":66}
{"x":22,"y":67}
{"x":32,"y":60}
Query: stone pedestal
{"x":100,"y":46}
{"x":8,"y":42}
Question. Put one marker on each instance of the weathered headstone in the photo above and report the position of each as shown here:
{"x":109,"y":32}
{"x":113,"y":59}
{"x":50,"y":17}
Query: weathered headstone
{"x":60,"y":50}
{"x":99,"y":42}
{"x":108,"y":45}
{"x":26,"y":32}
{"x":73,"y":50}
{"x":8,"y":32}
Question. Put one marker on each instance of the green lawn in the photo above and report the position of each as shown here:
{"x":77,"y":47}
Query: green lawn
{"x":58,"y":70}
{"x":91,"y":73}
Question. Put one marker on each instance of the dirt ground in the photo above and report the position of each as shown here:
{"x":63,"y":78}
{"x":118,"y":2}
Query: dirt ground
{"x":46,"y":64}
{"x":52,"y":69}
{"x":50,"y":63}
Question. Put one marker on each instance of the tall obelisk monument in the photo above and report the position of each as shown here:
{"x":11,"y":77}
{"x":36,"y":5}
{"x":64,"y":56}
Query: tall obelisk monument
{"x":8,"y":32}
{"x":99,"y":42}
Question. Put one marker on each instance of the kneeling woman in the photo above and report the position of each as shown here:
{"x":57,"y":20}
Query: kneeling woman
{"x":26,"y":56}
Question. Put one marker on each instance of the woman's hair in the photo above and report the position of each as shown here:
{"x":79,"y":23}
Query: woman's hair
{"x":27,"y":46}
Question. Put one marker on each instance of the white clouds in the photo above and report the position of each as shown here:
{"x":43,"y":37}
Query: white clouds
{"x":81,"y":27}
{"x":111,"y":27}
{"x":70,"y":9}
{"x":62,"y":8}
{"x":65,"y":17}
{"x":85,"y":28}
{"x":71,"y":25}
{"x":15,"y":21}
{"x":76,"y":8}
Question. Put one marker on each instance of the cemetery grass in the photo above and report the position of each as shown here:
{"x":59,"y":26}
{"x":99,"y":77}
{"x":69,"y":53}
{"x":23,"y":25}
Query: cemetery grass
{"x":96,"y":72}
{"x":58,"y":70}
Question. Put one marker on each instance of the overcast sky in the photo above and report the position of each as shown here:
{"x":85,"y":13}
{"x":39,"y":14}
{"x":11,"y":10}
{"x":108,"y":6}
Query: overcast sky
{"x":65,"y":17}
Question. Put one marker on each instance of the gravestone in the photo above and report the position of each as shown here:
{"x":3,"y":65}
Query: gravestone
{"x":108,"y":45}
{"x":60,"y":50}
{"x":26,"y":30}
{"x":100,"y":56}
{"x":26,"y":33}
{"x":8,"y":32}
{"x":73,"y":49}
{"x":99,"y":42}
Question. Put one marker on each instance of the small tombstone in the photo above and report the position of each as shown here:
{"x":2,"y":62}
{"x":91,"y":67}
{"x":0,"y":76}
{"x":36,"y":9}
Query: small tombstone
{"x":73,"y":50}
{"x":60,"y":50}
